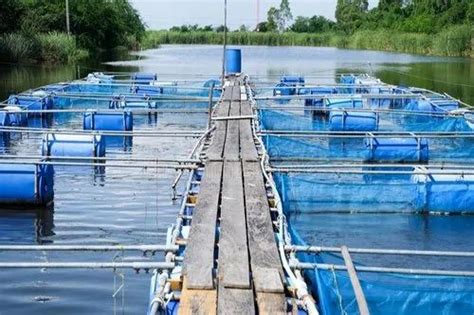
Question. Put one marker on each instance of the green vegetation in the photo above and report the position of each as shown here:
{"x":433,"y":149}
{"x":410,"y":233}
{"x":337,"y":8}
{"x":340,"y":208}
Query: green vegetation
{"x":429,"y":27}
{"x":454,"y":41}
{"x":35,"y":30}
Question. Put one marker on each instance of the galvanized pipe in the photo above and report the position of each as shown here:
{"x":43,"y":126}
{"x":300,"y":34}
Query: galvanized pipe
{"x":428,"y":272}
{"x":152,"y":166}
{"x":136,"y":133}
{"x":366,"y":110}
{"x":376,"y":251}
{"x":87,"y":265}
{"x":98,"y":248}
{"x":339,"y":171}
{"x":105,"y":159}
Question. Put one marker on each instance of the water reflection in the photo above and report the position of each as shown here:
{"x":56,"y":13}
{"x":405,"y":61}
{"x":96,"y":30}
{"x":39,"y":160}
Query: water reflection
{"x":19,"y":225}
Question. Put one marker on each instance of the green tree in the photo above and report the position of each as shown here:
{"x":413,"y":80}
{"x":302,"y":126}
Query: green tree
{"x":279,"y":19}
{"x":10,"y":14}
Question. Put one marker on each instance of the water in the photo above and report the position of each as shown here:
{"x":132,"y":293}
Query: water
{"x":131,"y":207}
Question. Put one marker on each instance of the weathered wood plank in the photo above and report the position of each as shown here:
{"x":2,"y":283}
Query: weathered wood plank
{"x":216,"y":148}
{"x":262,"y":245}
{"x":248,"y":151}
{"x":235,"y":301}
{"x":267,"y":280}
{"x":199,"y":255}
{"x":228,"y":93}
{"x":222,"y":109}
{"x":232,"y":143}
{"x":271,"y":303}
{"x":234,"y":271}
{"x":359,"y":293}
{"x":197,"y":302}
{"x":236,"y":92}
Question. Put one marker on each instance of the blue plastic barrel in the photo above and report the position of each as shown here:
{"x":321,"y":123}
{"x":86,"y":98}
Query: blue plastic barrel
{"x":146,"y":90}
{"x":347,"y":79}
{"x":445,"y":193}
{"x":108,"y":121}
{"x":397,"y":149}
{"x":233,"y":61}
{"x":144,"y":78}
{"x":5,"y":118}
{"x":282,"y":89}
{"x":293,"y":80}
{"x":23,"y":184}
{"x":445,"y":105}
{"x":73,"y":145}
{"x":31,"y":102}
{"x":344,"y":103}
{"x":17,"y":118}
{"x":319,"y":91}
{"x":352,"y":121}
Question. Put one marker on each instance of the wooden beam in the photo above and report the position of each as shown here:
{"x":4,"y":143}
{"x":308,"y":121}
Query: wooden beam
{"x":197,"y":302}
{"x":199,"y":255}
{"x":359,"y":293}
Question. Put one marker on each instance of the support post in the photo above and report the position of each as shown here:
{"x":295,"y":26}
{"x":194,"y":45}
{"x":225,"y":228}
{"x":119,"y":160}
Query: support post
{"x":68,"y":25}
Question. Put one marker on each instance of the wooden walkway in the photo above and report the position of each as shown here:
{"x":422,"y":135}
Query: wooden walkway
{"x":232,"y":264}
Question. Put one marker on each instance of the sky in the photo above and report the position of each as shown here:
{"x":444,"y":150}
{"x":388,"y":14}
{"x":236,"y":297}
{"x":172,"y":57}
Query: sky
{"x":162,"y":14}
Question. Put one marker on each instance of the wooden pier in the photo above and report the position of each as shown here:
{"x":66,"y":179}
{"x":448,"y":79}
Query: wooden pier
{"x":232,"y":264}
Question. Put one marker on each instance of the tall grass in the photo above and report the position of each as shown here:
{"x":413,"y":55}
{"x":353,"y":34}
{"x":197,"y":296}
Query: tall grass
{"x":16,"y":47}
{"x":59,"y":48}
{"x":51,"y":48}
{"x":454,"y":41}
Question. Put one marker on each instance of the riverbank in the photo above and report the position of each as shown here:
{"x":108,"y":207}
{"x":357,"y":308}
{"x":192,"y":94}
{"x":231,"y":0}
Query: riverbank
{"x":455,"y":41}
{"x":53,"y":47}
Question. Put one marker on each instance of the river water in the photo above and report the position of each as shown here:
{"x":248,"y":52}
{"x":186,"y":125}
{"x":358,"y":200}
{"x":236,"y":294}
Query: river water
{"x":133,"y":207}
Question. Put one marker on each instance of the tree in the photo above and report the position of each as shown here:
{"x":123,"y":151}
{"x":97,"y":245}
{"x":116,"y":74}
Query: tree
{"x":279,"y":19}
{"x":10,"y":15}
{"x":351,"y":14}
{"x":314,"y":24}
{"x":285,"y":15}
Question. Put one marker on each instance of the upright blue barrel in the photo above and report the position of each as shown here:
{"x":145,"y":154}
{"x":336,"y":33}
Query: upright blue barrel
{"x":73,"y":145}
{"x":233,"y":61}
{"x":24,"y":184}
{"x":108,"y":121}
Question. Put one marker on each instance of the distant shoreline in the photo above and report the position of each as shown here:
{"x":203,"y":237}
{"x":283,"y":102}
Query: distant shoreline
{"x":455,"y":41}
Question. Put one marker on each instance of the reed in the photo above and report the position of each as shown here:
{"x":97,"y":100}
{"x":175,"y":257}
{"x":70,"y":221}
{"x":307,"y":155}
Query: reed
{"x":454,"y":41}
{"x":51,"y":48}
{"x":59,"y":48}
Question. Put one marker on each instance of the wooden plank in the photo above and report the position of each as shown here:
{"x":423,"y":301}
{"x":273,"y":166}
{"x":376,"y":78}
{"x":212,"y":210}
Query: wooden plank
{"x":236,"y":92}
{"x":199,"y":255}
{"x":228,"y":92}
{"x":262,"y":245}
{"x":197,"y":302}
{"x":359,"y":293}
{"x":234,"y":270}
{"x":232,"y":143}
{"x":248,"y":151}
{"x":216,"y":148}
{"x":222,"y":109}
{"x":271,"y":303}
{"x":267,"y":280}
{"x":235,"y":301}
